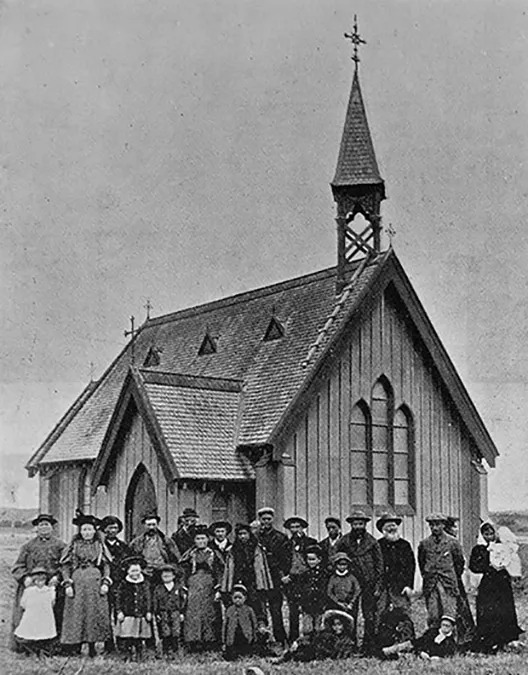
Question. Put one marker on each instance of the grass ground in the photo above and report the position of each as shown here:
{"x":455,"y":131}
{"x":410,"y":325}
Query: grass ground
{"x":14,"y":664}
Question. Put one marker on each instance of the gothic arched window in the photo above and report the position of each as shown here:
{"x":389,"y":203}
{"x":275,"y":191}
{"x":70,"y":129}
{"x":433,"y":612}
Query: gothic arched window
{"x":219,"y":506}
{"x":403,"y":457}
{"x":381,"y":445}
{"x":359,"y":446}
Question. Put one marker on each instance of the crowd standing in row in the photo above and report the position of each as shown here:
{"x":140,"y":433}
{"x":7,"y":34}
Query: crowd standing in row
{"x":208,"y":587}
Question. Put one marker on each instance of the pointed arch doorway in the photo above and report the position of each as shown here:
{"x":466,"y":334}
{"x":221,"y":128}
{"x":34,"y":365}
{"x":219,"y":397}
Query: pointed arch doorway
{"x":140,"y":499}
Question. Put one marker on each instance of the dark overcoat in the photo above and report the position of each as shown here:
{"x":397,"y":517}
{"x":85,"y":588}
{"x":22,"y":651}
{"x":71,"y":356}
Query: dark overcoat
{"x":367,"y":562}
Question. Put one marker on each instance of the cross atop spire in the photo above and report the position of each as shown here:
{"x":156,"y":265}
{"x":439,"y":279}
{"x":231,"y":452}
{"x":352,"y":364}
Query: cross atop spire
{"x":356,"y":39}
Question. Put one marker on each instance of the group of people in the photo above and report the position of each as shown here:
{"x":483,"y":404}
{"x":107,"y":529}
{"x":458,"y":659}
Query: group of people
{"x":207,"y":587}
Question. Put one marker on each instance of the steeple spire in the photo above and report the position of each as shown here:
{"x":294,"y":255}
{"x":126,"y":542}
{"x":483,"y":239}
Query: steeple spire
{"x":357,"y":185}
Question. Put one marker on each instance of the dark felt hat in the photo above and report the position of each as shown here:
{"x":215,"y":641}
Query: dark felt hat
{"x":333,"y":519}
{"x":189,"y":512}
{"x":242,"y":527}
{"x":201,"y":529}
{"x":338,"y":557}
{"x":358,"y":514}
{"x":39,"y":570}
{"x":133,"y":560}
{"x":111,"y":520}
{"x":220,"y":524}
{"x":86,"y":519}
{"x":295,"y":519}
{"x":44,"y":517}
{"x":314,"y":548}
{"x":149,"y":515}
{"x":169,"y":567}
{"x":387,"y":518}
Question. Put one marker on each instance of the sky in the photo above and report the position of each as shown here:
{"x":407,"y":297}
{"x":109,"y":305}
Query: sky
{"x":182,"y":151}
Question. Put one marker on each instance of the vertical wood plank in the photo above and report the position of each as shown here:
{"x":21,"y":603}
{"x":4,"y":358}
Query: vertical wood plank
{"x":335,"y":450}
{"x":324,"y":457}
{"x":301,"y":477}
{"x":312,"y":468}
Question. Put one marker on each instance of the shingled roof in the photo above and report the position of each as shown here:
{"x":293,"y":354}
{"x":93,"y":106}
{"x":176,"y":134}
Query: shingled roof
{"x":271,"y":371}
{"x":356,"y":163}
{"x":268,"y":377}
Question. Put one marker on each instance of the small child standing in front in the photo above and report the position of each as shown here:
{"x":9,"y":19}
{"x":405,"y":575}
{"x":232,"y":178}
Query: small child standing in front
{"x":312,"y":584}
{"x":37,"y":628}
{"x":239,"y":632}
{"x":168,"y":607}
{"x":134,"y":608}
{"x":343,"y":588}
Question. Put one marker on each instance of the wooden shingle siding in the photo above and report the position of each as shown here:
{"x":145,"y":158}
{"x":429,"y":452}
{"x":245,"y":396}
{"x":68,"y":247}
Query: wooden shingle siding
{"x":383,"y":343}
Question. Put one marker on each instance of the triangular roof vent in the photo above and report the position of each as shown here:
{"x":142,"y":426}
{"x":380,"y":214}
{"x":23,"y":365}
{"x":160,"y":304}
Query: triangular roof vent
{"x":274,"y":331}
{"x":208,"y":345}
{"x":153,"y":357}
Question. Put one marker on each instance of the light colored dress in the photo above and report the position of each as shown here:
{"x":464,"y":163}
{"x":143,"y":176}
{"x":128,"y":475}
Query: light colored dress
{"x":38,"y":620}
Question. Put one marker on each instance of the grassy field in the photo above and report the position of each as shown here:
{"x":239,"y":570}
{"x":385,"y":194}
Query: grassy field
{"x":14,"y":664}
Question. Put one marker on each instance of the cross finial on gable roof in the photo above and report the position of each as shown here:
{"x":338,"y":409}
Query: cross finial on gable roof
{"x":132,"y":333}
{"x":356,"y":40}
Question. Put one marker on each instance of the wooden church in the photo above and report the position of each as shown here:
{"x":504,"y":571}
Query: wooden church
{"x":315,"y":395}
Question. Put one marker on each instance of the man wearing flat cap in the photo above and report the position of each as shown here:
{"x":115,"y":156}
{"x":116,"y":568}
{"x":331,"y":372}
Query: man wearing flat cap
{"x":272,"y":542}
{"x":294,"y":561}
{"x":329,"y":544}
{"x":184,"y":535}
{"x":441,"y":562}
{"x":44,"y":550}
{"x":399,"y":565}
{"x":367,"y":566}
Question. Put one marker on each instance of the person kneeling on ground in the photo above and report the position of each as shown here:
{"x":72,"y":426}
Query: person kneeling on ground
{"x":239,"y":633}
{"x":435,"y":643}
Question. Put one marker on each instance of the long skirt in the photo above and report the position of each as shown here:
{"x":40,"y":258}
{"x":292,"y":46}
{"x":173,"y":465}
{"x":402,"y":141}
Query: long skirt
{"x":86,"y":617}
{"x":496,"y":616}
{"x":202,"y":614}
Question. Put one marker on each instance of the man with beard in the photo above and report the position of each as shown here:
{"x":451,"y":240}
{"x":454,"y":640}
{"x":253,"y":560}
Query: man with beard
{"x":441,"y":562}
{"x":220,"y":543}
{"x":45,"y":551}
{"x":329,"y":544}
{"x":156,"y":548}
{"x":184,"y":535}
{"x":272,"y":542}
{"x":246,"y":564}
{"x":111,"y":526}
{"x":399,"y":566}
{"x":294,"y":560}
{"x":367,"y":566}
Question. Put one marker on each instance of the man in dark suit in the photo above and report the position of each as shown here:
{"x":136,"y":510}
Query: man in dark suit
{"x":367,"y":566}
{"x":294,"y":561}
{"x":184,"y":535}
{"x":272,"y":542}
{"x":329,"y":544}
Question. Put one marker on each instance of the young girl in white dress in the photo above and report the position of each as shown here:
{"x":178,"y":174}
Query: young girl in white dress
{"x":37,"y":629}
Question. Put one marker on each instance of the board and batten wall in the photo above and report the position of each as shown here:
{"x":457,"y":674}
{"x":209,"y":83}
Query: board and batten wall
{"x":315,"y":477}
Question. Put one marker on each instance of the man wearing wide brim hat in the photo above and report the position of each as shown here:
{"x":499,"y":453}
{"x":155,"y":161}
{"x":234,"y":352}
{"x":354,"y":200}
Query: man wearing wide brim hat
{"x":183,"y":537}
{"x":272,"y":542}
{"x":329,"y":543}
{"x":367,"y":566}
{"x":399,"y":566}
{"x":44,"y":550}
{"x":295,"y":563}
{"x":441,"y":561}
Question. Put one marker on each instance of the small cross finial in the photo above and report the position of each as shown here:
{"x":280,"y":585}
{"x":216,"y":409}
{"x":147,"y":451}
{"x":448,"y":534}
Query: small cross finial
{"x":132,"y":332}
{"x":356,"y":40}
{"x":391,"y":232}
{"x":92,"y":370}
{"x":148,"y":306}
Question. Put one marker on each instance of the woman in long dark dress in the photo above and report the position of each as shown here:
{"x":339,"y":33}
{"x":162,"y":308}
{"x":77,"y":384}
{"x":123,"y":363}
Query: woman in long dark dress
{"x":202,"y":569}
{"x":496,"y":616}
{"x":85,"y":568}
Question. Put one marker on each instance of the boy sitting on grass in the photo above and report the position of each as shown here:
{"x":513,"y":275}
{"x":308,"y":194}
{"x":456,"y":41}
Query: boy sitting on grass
{"x":435,"y":643}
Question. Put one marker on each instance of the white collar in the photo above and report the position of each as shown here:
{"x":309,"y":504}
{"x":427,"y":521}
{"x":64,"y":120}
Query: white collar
{"x":222,"y":544}
{"x":342,"y":574}
{"x":135,"y":581}
{"x":169,"y":586}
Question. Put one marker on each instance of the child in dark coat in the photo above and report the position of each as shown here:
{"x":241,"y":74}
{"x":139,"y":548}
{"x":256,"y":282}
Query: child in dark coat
{"x":312,"y":584}
{"x":134,"y":608}
{"x":239,"y":632}
{"x":168,"y":607}
{"x":343,"y":588}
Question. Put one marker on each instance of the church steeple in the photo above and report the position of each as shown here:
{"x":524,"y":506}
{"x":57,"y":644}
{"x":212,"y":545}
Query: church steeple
{"x":357,"y":186}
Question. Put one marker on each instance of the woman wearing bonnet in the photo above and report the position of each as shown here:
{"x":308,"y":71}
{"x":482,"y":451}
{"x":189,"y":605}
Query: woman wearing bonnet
{"x":495,"y":557}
